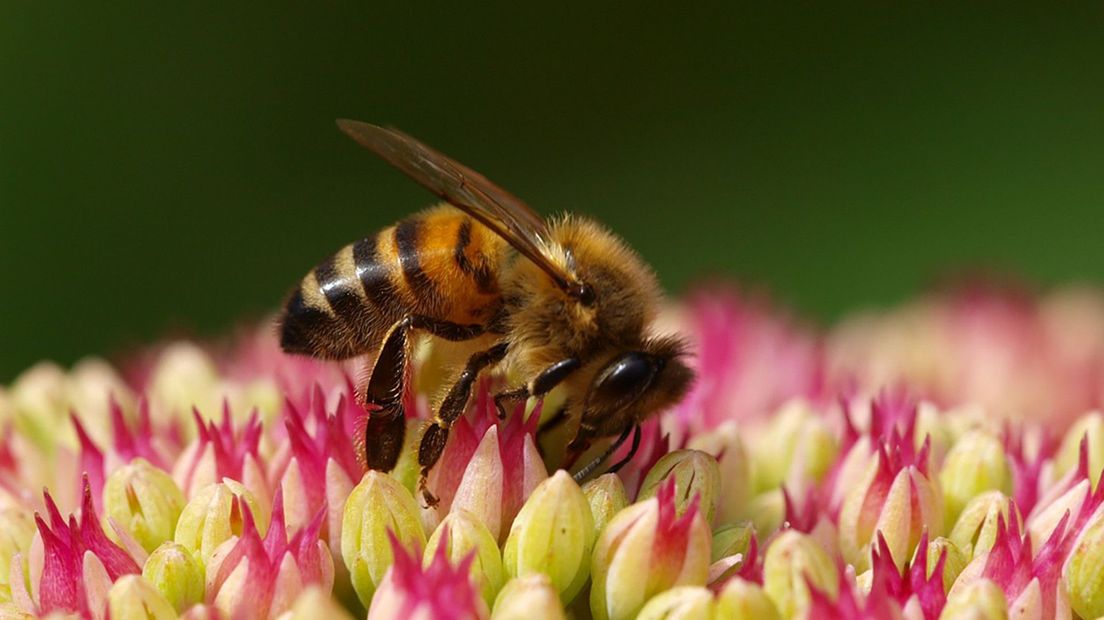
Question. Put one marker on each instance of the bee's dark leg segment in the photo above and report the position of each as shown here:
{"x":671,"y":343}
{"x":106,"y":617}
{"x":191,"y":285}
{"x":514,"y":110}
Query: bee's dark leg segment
{"x":633,"y":447}
{"x":433,"y":441}
{"x":590,"y":467}
{"x":516,"y":394}
{"x":457,"y":398}
{"x":542,"y":384}
{"x":445,"y":329}
{"x":383,"y":435}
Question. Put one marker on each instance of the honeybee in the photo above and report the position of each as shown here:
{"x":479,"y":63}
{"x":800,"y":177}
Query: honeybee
{"x":561,"y":301}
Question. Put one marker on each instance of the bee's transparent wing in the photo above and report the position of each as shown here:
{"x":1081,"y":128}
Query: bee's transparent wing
{"x":467,"y":190}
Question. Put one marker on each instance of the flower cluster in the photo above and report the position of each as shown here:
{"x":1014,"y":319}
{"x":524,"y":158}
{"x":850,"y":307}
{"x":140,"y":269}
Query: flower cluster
{"x":939,"y":460}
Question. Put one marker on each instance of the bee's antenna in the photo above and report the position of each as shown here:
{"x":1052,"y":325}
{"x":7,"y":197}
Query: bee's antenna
{"x":590,"y":467}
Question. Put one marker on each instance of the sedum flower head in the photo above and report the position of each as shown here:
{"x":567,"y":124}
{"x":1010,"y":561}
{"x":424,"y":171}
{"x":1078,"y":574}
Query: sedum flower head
{"x":322,"y":464}
{"x":835,"y":479}
{"x":976,"y":527}
{"x":897,"y":498}
{"x":1028,"y":579}
{"x":77,"y":566}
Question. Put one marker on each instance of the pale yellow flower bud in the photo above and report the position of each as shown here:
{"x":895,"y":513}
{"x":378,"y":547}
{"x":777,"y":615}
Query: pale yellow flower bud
{"x":176,"y":574}
{"x":531,"y":597}
{"x":976,"y":528}
{"x":1084,"y":571}
{"x":133,"y":598}
{"x":606,"y":496}
{"x":681,"y":603}
{"x":466,"y":534}
{"x":144,"y":501}
{"x":315,"y":602}
{"x":793,"y":562}
{"x":980,"y":600}
{"x":743,"y":600}
{"x":212,"y":517}
{"x":725,"y":444}
{"x":377,"y":505}
{"x":553,"y":534}
{"x":976,"y":463}
{"x":1088,"y":427}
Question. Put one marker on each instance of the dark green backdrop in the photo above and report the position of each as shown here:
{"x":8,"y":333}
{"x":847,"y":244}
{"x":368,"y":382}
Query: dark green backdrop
{"x":178,"y":168}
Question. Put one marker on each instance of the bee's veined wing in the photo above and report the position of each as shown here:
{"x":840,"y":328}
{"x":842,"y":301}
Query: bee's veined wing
{"x":467,"y":190}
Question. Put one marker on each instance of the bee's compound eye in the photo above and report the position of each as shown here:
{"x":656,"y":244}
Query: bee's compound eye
{"x":622,"y":381}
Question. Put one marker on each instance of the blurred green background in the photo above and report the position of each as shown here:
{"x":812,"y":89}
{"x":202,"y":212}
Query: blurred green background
{"x":177,"y":168}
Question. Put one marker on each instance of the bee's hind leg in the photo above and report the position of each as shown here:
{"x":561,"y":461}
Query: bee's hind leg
{"x":452,"y":407}
{"x":383,"y":435}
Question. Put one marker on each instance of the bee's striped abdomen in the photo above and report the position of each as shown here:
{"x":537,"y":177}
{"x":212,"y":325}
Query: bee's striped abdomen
{"x":342,"y":305}
{"x":439,"y":263}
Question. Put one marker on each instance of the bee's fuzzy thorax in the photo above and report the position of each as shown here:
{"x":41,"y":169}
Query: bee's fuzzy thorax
{"x":549,"y":325}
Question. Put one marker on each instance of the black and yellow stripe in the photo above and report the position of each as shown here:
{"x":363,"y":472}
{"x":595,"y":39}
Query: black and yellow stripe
{"x":439,"y":263}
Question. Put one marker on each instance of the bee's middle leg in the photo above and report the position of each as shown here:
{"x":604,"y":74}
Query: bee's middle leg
{"x":452,"y":407}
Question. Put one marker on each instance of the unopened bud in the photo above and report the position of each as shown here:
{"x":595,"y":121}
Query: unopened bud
{"x":976,"y":463}
{"x":531,"y":597}
{"x":606,"y":496}
{"x":793,"y":563}
{"x":176,"y":574}
{"x":695,"y":474}
{"x":553,"y":534}
{"x":378,"y":505}
{"x":133,"y":598}
{"x":464,"y":534}
{"x":144,"y":501}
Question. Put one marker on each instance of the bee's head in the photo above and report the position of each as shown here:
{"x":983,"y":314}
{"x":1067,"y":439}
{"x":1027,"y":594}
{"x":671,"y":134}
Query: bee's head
{"x":638,"y":383}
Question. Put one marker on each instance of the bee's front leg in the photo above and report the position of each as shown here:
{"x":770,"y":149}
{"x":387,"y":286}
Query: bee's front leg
{"x":452,"y":407}
{"x":540,"y":385}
